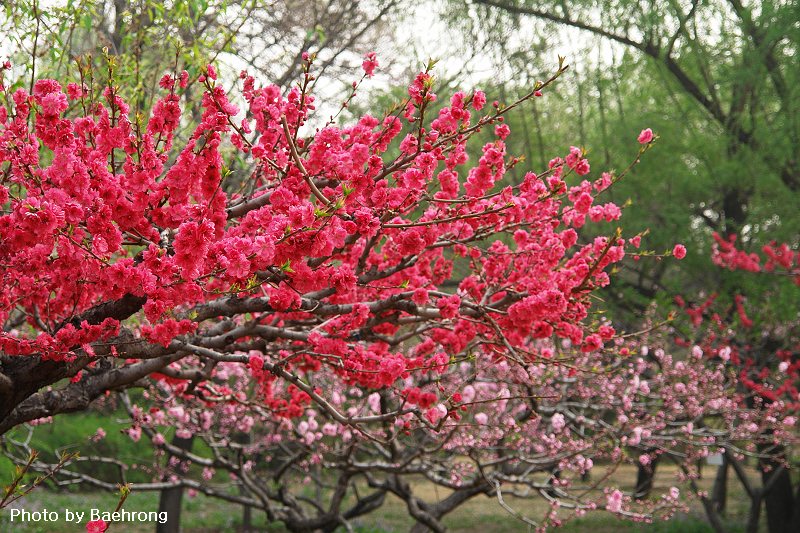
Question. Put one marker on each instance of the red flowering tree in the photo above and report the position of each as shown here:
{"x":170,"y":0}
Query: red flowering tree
{"x":118,"y":261}
{"x":304,"y":305}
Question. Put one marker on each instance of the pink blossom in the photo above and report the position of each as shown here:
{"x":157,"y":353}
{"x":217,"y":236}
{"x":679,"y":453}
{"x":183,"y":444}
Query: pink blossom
{"x":370,"y":63}
{"x":502,"y":131}
{"x":725,"y":353}
{"x":135,"y":433}
{"x":592,"y":343}
{"x":478,"y":100}
{"x":558,"y":422}
{"x":448,"y":306}
{"x":435,"y":414}
{"x":374,"y":401}
{"x":679,"y":251}
{"x":420,"y":296}
{"x":645,"y":136}
{"x":614,"y":502}
{"x":96,"y":526}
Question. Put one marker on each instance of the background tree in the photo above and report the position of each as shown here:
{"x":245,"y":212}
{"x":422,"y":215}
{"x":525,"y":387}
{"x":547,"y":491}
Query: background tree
{"x":721,"y":94}
{"x":266,"y":38}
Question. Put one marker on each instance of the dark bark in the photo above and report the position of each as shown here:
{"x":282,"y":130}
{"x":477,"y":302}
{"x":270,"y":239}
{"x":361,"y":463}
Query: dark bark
{"x":247,"y":516}
{"x":170,"y":499}
{"x":644,"y":480}
{"x":120,"y":309}
{"x":363,"y":506}
{"x":247,"y":510}
{"x":22,"y":404}
{"x":755,"y":513}
{"x":778,"y":496}
{"x":428,"y":516}
{"x":712,"y":515}
{"x":776,"y":493}
{"x":794,"y":525}
{"x":719,"y":493}
{"x":22,"y":376}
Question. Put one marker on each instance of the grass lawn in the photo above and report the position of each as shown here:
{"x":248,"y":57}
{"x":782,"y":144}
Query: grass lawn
{"x":480,"y":515}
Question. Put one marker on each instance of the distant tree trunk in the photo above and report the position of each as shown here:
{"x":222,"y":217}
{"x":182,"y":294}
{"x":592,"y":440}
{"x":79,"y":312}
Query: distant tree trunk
{"x":779,"y":500}
{"x":419,"y":527}
{"x":755,"y":512}
{"x":247,"y":519}
{"x":247,"y":510}
{"x":719,"y":494}
{"x":644,"y":479}
{"x":170,"y":499}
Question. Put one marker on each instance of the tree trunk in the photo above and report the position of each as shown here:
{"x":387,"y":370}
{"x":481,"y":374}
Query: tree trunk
{"x":419,"y":527}
{"x":247,"y":511}
{"x":755,"y":513}
{"x":170,"y":499}
{"x":719,"y":494}
{"x":644,"y":480}
{"x":712,"y":515}
{"x":247,"y":519}
{"x":779,"y":499}
{"x":794,"y":525}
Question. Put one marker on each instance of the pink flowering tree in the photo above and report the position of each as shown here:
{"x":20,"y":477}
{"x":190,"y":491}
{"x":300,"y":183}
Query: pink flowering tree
{"x":763,"y":350}
{"x":535,"y":430}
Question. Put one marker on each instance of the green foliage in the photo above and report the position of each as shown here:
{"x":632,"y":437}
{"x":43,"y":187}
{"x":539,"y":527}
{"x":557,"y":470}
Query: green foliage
{"x":717,"y":81}
{"x":71,"y":433}
{"x":146,"y":38}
